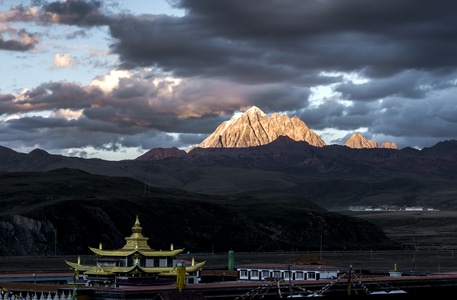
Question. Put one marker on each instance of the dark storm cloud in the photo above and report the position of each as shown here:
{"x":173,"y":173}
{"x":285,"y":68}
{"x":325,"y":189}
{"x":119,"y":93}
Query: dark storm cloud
{"x":13,"y":45}
{"x":279,"y":97}
{"x":406,"y":84}
{"x":134,"y":106}
{"x":107,"y":122}
{"x":70,"y":12}
{"x":170,"y":44}
{"x":433,"y":116}
{"x":77,"y":34}
{"x":344,"y":117}
{"x":75,"y":12}
{"x":216,"y":38}
{"x":50,"y":96}
{"x":66,"y":133}
{"x":21,"y":41}
{"x":416,"y":122}
{"x":179,"y":46}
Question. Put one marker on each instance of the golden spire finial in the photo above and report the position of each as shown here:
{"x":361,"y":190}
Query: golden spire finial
{"x":137,"y":221}
{"x":136,"y":240}
{"x":137,"y":226}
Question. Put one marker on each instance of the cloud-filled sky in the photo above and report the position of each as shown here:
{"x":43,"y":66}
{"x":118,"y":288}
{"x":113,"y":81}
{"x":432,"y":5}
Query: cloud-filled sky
{"x":113,"y":79}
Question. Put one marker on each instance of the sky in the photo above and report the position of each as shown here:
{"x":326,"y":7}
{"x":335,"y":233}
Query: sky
{"x":114,"y":79}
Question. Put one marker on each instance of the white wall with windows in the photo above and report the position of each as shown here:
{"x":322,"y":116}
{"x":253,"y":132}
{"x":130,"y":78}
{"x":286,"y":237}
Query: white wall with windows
{"x":283,"y":272}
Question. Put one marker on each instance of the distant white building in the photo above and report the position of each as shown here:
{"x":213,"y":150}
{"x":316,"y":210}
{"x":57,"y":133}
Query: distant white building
{"x":414,"y":208}
{"x":390,"y":208}
{"x":265,"y":271}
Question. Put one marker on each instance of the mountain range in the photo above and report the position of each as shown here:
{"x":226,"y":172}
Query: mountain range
{"x":254,"y":128}
{"x":246,"y":187}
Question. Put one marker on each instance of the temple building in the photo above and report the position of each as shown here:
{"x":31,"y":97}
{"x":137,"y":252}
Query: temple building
{"x":136,"y":264}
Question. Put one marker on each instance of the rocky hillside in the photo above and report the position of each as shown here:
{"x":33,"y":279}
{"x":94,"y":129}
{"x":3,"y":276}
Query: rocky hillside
{"x":65,"y":211}
{"x":255,"y":128}
{"x":358,"y":141}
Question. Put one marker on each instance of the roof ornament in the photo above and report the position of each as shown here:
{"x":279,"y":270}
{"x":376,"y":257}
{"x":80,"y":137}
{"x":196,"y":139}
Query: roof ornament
{"x":136,"y":240}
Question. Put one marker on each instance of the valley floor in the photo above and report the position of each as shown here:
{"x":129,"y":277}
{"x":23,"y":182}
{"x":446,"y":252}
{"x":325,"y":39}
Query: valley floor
{"x":420,"y":230}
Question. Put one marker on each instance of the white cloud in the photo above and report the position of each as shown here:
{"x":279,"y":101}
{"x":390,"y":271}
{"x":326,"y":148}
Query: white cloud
{"x":67,"y":114}
{"x":63,"y":60}
{"x":108,"y":83}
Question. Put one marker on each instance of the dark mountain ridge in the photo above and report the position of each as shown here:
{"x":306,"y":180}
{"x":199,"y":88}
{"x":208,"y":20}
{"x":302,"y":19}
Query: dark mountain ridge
{"x":280,"y":164}
{"x":65,"y":211}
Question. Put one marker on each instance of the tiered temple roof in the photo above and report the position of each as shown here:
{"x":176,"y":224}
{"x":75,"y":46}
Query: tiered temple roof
{"x":136,"y":258}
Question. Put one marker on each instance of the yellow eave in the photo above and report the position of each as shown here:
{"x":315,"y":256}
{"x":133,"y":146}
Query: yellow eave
{"x":107,"y":270}
{"x":195,"y":267}
{"x":78,"y":267}
{"x":171,"y":270}
{"x":146,"y":253}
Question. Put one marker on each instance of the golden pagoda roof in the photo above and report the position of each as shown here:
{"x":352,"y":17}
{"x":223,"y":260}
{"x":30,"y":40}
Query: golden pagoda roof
{"x":147,"y":253}
{"x":113,"y":270}
{"x":136,"y":240}
{"x":136,"y":243}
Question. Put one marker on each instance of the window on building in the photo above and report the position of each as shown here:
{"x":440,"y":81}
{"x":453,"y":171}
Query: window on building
{"x":123,"y":262}
{"x":156,"y":262}
{"x":255,"y":273}
{"x":170,"y":262}
{"x":142,"y":261}
{"x":299,"y":275}
{"x":131,"y":261}
{"x":149,"y":262}
{"x":277,"y":274}
{"x":163,"y":262}
{"x":243,"y":273}
{"x":311,"y":275}
{"x":265,"y":274}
